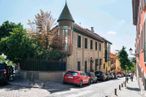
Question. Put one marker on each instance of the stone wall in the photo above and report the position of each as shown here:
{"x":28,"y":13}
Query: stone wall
{"x":44,"y":76}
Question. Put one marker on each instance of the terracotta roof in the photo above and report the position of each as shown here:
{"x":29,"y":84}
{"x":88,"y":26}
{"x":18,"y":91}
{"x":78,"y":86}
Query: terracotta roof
{"x":89,"y":33}
{"x":86,"y":32}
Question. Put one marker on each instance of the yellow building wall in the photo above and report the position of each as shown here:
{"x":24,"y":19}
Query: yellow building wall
{"x":82,"y":54}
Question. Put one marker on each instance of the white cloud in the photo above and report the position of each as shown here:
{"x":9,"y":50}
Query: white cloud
{"x":111,"y":33}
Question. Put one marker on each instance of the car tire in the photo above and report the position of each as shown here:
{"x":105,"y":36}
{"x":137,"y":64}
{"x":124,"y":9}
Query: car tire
{"x":64,"y":82}
{"x":81,"y":84}
{"x":90,"y":81}
{"x":96,"y":81}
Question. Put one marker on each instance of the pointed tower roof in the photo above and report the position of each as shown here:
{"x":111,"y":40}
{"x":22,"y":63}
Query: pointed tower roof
{"x":65,"y":14}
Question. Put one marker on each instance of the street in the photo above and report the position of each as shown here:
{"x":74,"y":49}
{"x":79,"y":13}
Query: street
{"x":53,"y":89}
{"x":95,"y":90}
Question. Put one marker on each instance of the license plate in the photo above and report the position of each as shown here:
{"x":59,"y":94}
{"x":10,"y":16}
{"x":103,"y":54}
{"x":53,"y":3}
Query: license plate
{"x":70,"y":77}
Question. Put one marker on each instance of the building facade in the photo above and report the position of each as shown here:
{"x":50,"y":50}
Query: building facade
{"x":115,"y":63}
{"x":86,"y":50}
{"x":139,"y":20}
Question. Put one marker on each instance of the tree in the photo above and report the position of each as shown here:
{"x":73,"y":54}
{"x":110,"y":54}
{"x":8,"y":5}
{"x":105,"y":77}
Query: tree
{"x":43,"y":23}
{"x":18,"y":46}
{"x":125,"y":62}
{"x":56,"y":55}
{"x":3,"y":59}
{"x":6,"y":28}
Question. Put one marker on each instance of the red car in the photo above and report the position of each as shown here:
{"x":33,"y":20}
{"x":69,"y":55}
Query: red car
{"x":76,"y":77}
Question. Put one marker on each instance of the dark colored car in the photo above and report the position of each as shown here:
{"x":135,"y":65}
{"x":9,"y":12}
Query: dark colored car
{"x":93,"y":78}
{"x":76,"y":77}
{"x":101,"y":76}
{"x":3,"y":74}
{"x":110,"y":76}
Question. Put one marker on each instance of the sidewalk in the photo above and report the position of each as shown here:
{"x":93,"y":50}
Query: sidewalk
{"x":50,"y":86}
{"x":131,"y":90}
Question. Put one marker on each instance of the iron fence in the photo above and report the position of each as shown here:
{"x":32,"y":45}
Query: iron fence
{"x":42,"y":65}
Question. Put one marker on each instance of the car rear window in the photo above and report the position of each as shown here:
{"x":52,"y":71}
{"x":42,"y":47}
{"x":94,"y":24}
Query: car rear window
{"x":82,"y":73}
{"x":72,"y":73}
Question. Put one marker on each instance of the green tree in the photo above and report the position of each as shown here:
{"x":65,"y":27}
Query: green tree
{"x":125,"y":62}
{"x":18,"y":46}
{"x":6,"y":28}
{"x":132,"y":65}
{"x":56,"y":55}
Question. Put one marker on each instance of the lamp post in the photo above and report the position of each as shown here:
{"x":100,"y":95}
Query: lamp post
{"x":134,"y":54}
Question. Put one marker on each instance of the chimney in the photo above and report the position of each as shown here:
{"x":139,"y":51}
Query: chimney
{"x":92,"y":29}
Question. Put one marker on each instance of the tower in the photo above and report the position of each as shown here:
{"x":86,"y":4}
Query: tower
{"x":66,"y":22}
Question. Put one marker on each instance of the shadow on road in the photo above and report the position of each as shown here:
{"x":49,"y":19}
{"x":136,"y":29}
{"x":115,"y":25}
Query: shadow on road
{"x":50,"y":86}
{"x":133,"y":89}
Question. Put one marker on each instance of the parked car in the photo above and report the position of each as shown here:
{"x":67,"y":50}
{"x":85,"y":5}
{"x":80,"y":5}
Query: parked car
{"x":93,"y":78}
{"x":76,"y":77}
{"x":109,"y":76}
{"x":119,"y":75}
{"x":101,"y":76}
{"x":3,"y":74}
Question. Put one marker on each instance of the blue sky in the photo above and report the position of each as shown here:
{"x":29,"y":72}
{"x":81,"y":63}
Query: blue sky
{"x":111,"y":19}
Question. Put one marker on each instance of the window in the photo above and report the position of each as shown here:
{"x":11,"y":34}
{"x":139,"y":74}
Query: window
{"x":99,"y":46}
{"x":85,"y":66}
{"x":91,"y":44}
{"x":78,"y":65}
{"x":86,"y":43}
{"x":100,"y":61}
{"x":96,"y":64}
{"x":79,"y":42}
{"x":104,"y":66}
{"x":65,"y":31}
{"x":83,"y":74}
{"x":95,"y":45}
{"x":72,"y":73}
{"x":106,"y":56}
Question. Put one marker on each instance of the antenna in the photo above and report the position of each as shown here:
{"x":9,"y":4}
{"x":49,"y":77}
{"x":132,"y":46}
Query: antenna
{"x":65,"y":1}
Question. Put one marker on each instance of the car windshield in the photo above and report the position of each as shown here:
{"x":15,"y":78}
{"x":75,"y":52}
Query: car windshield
{"x":98,"y":72}
{"x":72,"y":73}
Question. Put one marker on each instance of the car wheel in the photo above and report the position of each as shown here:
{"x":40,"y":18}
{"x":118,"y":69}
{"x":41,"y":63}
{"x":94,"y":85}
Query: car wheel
{"x":89,"y":82}
{"x":81,"y":84}
{"x":64,"y":82}
{"x":96,"y":81}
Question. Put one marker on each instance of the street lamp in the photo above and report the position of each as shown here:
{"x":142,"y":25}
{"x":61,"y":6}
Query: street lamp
{"x":130,"y":50}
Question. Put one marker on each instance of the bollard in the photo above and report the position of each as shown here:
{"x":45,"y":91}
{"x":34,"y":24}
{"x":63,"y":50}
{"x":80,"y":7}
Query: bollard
{"x":106,"y":96}
{"x":119,"y":87}
{"x":116,"y":92}
{"x":122,"y":85}
{"x":125,"y":84}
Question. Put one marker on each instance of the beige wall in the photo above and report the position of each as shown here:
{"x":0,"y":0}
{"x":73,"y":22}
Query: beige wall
{"x":118,"y":65}
{"x":82,"y":54}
